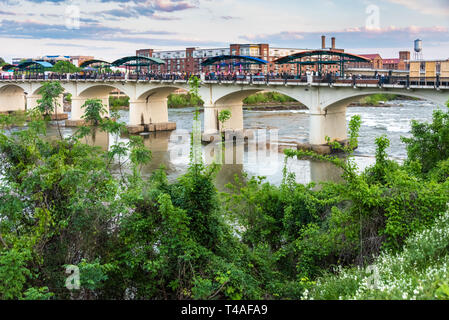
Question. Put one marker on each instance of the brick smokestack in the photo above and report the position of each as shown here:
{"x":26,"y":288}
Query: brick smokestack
{"x":323,"y":42}
{"x":333,"y":42}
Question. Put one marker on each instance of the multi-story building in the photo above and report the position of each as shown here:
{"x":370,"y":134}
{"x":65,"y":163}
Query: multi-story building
{"x":376,"y":62}
{"x":190,"y":59}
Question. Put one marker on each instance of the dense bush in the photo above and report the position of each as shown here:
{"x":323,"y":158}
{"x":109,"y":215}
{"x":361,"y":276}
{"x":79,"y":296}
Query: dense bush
{"x":63,"y":203}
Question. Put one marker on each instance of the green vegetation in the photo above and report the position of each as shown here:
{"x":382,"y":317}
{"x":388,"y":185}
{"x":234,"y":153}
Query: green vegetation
{"x":375,"y":99}
{"x":118,"y":102}
{"x":65,"y":67}
{"x":267,"y":97}
{"x":186,"y":100}
{"x":183,"y":100}
{"x":419,"y":272}
{"x":2,"y":62}
{"x":65,"y":203}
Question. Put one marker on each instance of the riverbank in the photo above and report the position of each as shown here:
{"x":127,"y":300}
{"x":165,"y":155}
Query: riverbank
{"x":380,"y":100}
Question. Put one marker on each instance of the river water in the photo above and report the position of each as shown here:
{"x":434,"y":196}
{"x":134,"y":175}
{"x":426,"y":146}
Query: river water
{"x":171,"y":149}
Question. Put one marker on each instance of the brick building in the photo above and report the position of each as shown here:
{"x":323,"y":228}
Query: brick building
{"x":190,"y":59}
{"x":376,"y":62}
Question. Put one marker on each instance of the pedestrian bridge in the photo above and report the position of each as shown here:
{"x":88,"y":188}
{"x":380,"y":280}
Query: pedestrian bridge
{"x":326,"y":101}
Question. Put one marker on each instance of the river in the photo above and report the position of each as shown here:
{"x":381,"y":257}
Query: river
{"x":170,"y":149}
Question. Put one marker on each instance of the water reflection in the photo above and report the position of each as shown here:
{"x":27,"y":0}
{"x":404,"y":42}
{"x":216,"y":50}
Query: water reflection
{"x":171,"y":149}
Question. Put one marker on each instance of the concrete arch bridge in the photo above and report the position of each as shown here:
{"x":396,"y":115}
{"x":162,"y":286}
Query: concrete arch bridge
{"x":327,"y":102}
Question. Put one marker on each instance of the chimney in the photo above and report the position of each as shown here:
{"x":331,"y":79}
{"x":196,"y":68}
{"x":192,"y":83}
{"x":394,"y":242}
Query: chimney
{"x":323,"y":42}
{"x":333,"y":42}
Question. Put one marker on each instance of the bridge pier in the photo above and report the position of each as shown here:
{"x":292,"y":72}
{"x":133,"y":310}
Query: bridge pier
{"x":149,"y":115}
{"x":329,"y":123}
{"x":212,"y":125}
{"x":31,"y":103}
{"x":78,"y":112}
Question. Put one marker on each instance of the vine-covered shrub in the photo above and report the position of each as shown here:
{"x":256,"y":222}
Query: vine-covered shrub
{"x":64,"y":203}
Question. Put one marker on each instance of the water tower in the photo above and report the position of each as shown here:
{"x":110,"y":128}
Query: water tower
{"x":418,"y":50}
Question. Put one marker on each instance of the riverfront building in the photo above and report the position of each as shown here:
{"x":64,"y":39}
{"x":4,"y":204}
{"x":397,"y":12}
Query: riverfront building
{"x":189,"y":60}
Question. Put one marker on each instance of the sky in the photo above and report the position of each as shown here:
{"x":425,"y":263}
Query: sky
{"x":110,"y":29}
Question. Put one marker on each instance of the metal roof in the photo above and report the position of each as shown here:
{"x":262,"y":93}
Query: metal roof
{"x":343,"y":55}
{"x":26,"y":64}
{"x":92,"y":61}
{"x":140,"y":59}
{"x":213,"y":60}
{"x":7,"y":67}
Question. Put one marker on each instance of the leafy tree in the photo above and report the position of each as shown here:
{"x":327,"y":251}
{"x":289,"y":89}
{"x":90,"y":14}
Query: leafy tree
{"x":48,"y":103}
{"x":94,"y":110}
{"x":429,"y":142}
{"x":224,"y":115}
{"x":65,"y":67}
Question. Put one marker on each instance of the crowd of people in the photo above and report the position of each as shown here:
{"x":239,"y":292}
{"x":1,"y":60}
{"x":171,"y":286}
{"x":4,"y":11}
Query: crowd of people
{"x":308,"y":76}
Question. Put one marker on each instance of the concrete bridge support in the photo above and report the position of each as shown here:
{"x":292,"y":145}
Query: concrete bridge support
{"x":149,"y":110}
{"x":31,"y":103}
{"x":142,"y":112}
{"x":77,"y":112}
{"x":328,"y":123}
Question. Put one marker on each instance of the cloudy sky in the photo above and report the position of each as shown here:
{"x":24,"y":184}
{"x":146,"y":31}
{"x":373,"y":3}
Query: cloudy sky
{"x":110,"y":29}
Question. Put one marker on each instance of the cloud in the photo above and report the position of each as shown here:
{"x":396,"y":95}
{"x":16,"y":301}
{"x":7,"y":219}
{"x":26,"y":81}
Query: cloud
{"x":171,"y":5}
{"x":431,"y":7}
{"x":228,"y":17}
{"x":7,"y":13}
{"x":357,"y":37}
{"x":149,"y":8}
{"x":36,"y":30}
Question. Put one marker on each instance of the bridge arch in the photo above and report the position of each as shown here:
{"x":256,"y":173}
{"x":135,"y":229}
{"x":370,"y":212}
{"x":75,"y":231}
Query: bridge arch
{"x":231,"y":99}
{"x":236,"y":97}
{"x":101,"y":90}
{"x":12,"y":97}
{"x":160,"y":92}
{"x":339,"y":101}
{"x":150,"y":105}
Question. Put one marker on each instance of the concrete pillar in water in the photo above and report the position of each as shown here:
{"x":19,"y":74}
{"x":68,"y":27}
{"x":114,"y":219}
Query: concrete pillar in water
{"x":138,"y":112}
{"x":236,"y":121}
{"x":32,"y":102}
{"x":331,"y":123}
{"x":210,"y":119}
{"x":149,"y":115}
{"x":78,"y":110}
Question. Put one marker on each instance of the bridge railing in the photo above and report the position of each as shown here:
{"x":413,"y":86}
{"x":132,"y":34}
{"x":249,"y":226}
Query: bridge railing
{"x":329,"y":79}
